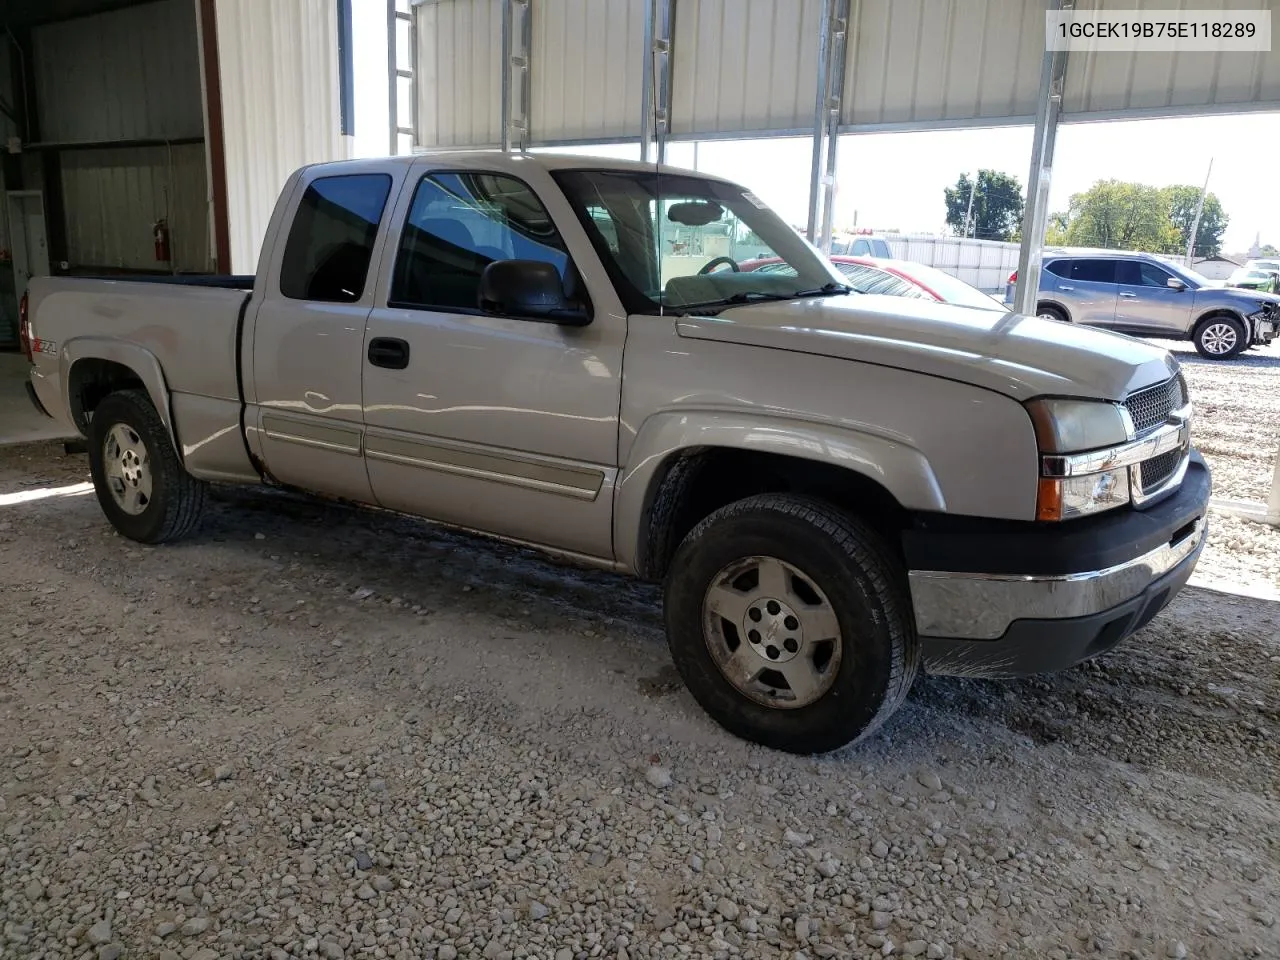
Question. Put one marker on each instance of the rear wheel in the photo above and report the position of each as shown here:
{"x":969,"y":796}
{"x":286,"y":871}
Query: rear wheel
{"x":790,"y":623}
{"x":142,"y":487}
{"x":1047,"y":311}
{"x":1220,"y":338}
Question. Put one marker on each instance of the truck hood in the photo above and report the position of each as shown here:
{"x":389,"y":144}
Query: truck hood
{"x":1019,"y":356}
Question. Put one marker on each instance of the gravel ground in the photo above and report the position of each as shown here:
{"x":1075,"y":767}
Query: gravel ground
{"x":317,"y":732}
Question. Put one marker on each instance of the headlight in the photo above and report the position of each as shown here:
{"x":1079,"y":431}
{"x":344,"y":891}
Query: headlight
{"x":1081,"y":496}
{"x":1078,"y":426}
{"x":1073,"y":426}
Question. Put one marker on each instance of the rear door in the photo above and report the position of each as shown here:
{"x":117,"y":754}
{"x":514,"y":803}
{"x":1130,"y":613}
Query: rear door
{"x":1145,"y":302}
{"x":304,"y":378}
{"x":1086,"y":286}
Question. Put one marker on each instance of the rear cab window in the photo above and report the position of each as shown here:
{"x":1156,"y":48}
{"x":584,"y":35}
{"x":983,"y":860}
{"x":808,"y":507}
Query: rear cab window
{"x":326,"y":257}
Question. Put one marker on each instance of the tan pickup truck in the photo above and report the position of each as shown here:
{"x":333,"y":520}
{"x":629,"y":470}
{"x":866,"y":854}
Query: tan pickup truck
{"x":836,"y":489}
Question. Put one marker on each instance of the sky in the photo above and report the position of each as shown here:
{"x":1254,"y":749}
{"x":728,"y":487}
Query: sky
{"x":889,"y":181}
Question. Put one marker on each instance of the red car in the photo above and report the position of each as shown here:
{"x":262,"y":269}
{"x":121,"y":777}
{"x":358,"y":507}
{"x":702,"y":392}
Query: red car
{"x":896,"y":278}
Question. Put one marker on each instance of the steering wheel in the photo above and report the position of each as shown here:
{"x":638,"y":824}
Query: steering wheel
{"x":712,"y":264}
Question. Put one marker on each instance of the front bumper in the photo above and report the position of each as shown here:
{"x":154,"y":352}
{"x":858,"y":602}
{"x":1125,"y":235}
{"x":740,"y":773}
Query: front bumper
{"x":1032,"y":598}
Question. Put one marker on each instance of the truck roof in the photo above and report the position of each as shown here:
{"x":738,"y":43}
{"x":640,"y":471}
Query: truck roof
{"x":514,"y":162}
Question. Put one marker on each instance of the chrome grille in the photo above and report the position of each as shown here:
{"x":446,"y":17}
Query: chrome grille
{"x":1158,"y":470}
{"x":1149,"y":408}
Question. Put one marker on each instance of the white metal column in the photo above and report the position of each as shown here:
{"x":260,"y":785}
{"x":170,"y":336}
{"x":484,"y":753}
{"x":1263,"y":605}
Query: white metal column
{"x":826,"y":120}
{"x":397,"y":72}
{"x":1035,"y":214}
{"x":655,"y":84}
{"x":517,"y":39}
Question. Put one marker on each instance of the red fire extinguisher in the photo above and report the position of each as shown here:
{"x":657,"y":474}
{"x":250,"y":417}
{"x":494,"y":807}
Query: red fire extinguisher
{"x":160,"y":233}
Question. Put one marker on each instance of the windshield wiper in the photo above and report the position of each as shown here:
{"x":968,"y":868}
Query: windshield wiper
{"x":828,"y":290}
{"x":755,"y":296}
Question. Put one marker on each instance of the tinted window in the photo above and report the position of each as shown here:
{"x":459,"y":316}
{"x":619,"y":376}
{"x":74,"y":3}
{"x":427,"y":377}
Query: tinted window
{"x":1059,"y":268}
{"x":1135,"y":273}
{"x":460,"y":223}
{"x":331,"y":242}
{"x":1094,"y":271}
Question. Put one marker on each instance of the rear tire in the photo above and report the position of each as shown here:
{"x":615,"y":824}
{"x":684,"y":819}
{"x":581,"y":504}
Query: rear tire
{"x":1220,"y":338}
{"x":142,"y":487}
{"x":808,"y":612}
{"x":1047,"y":311}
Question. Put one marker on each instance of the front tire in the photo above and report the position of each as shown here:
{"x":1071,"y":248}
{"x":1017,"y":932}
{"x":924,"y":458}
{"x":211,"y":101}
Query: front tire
{"x":1047,"y":311}
{"x":790,"y":623}
{"x":141,"y":486}
{"x":1220,"y":338}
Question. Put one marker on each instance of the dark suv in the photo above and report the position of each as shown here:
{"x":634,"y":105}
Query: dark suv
{"x":1144,"y":296}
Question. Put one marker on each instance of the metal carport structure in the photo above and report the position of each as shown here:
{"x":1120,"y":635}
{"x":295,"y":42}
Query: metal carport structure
{"x":521,"y":74}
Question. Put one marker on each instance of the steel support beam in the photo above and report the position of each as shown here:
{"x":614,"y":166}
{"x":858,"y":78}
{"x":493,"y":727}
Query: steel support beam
{"x":832,"y":57}
{"x":397,"y":72}
{"x":1035,"y":215}
{"x":655,"y":92}
{"x":517,"y":41}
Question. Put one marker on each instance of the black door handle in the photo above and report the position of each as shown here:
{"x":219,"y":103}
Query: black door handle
{"x":389,"y":352}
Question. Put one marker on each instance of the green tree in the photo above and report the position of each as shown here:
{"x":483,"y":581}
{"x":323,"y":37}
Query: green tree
{"x":1182,"y":202}
{"x":1122,"y":216}
{"x":1268,"y":250}
{"x":1055,"y":234}
{"x":997,"y":205}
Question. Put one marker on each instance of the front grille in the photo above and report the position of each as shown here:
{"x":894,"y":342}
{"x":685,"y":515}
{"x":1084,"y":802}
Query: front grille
{"x":1149,"y":408}
{"x":1158,"y":470}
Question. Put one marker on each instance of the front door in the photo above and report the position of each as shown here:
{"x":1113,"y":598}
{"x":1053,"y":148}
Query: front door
{"x":308,"y":335}
{"x":1147,"y":304}
{"x":492,"y":423}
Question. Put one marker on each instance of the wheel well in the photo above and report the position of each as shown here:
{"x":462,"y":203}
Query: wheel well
{"x":1049,"y":304}
{"x":1218,"y":314}
{"x":91,"y":380}
{"x":695,"y":484}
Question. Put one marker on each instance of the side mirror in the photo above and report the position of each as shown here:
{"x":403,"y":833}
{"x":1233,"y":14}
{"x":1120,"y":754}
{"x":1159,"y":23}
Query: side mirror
{"x":1175,"y":283}
{"x":528,"y":290}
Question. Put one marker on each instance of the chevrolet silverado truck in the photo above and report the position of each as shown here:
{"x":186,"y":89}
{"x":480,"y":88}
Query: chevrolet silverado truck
{"x":836,"y":490}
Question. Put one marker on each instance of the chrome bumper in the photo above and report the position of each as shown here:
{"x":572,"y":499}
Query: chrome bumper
{"x":976,"y":606}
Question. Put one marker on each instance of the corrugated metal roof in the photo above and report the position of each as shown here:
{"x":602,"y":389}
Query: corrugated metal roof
{"x":459,"y":72}
{"x":279,"y":72}
{"x":129,"y":74}
{"x":1147,"y":82}
{"x":594,"y":94}
{"x":113,"y":196}
{"x":918,"y":61}
{"x":744,"y":65}
{"x":749,"y":67}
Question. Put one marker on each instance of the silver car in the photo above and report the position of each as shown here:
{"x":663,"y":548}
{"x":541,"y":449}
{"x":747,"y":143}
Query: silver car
{"x":1144,"y":296}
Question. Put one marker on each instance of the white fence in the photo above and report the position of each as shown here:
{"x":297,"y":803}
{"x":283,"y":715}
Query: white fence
{"x":985,"y":264}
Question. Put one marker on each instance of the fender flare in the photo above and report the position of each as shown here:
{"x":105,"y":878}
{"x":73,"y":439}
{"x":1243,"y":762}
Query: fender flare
{"x":140,"y":360}
{"x":890,"y":462}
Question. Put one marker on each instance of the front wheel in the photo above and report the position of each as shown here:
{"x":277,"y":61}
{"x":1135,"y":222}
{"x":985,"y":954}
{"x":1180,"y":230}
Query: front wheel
{"x":142,"y":487}
{"x":790,"y":623}
{"x":1220,"y":338}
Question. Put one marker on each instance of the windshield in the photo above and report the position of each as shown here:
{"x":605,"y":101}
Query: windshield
{"x":678,"y":243}
{"x":951,"y":289}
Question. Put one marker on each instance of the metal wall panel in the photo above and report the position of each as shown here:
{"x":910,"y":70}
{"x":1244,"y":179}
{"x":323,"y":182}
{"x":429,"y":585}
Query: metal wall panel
{"x":279,"y":76}
{"x":113,"y":197}
{"x":587,"y":61}
{"x":129,"y":74}
{"x":1172,"y":82}
{"x":912,"y":62}
{"x":459,"y":72}
{"x":744,"y":65}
